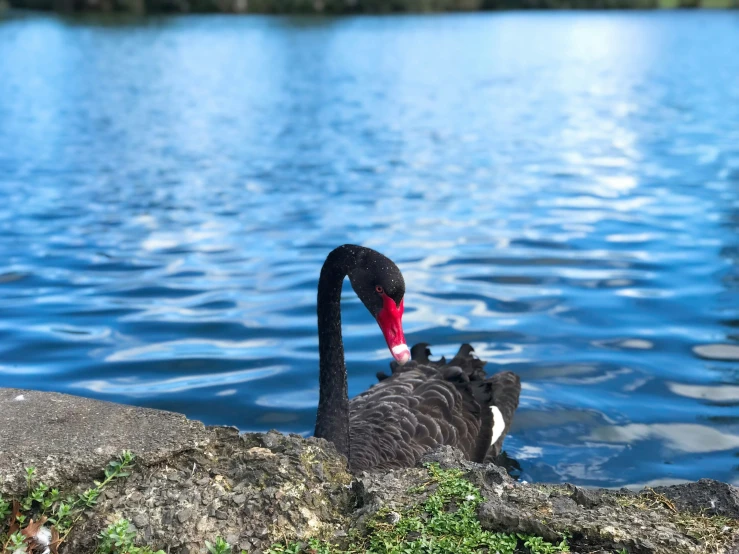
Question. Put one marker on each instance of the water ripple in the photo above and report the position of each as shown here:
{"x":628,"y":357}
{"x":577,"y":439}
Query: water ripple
{"x":569,"y":205}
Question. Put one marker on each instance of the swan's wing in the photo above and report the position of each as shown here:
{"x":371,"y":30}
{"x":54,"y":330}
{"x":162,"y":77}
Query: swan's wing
{"x":496,"y":395}
{"x":420,"y":407}
{"x":426,"y":403}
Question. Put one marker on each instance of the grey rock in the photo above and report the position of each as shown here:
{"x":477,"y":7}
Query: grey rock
{"x":167,"y":517}
{"x":562,"y":505}
{"x":585,"y":497}
{"x":74,"y":438}
{"x":446,"y":456}
{"x":140,"y":520}
{"x":183,"y":516}
{"x":498,"y":516}
{"x":608,"y":527}
{"x":714,"y":497}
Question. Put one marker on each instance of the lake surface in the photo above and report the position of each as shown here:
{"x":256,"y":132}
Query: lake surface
{"x":561,"y":190}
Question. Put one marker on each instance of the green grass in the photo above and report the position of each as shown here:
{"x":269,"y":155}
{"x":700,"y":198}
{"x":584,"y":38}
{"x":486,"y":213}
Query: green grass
{"x":444,"y":522}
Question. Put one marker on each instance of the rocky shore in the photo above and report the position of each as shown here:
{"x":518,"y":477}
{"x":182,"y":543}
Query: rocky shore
{"x":191,"y":483}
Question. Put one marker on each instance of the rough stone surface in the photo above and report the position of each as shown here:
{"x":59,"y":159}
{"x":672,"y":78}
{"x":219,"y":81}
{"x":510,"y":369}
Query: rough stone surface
{"x":193,"y":483}
{"x":68,"y":438}
{"x":608,"y":524}
{"x":587,"y":498}
{"x":253,"y":488}
{"x":715,"y":497}
{"x":596,"y":520}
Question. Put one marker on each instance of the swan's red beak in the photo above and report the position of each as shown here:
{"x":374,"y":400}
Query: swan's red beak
{"x":389,"y":319}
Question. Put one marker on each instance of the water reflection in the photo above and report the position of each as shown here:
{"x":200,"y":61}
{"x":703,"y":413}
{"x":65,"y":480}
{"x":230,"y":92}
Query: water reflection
{"x":720,"y":393}
{"x":132,"y":386}
{"x":677,"y":436}
{"x":722,"y":352}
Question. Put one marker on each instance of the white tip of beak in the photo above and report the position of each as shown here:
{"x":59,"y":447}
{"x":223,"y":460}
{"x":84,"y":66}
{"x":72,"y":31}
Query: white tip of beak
{"x":401,"y":353}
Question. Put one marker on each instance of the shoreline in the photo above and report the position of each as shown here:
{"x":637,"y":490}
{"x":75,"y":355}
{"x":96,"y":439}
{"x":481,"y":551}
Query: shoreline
{"x":191,"y":483}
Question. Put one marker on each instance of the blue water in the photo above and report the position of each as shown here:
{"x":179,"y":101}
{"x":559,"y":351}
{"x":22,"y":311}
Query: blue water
{"x":559,"y":189}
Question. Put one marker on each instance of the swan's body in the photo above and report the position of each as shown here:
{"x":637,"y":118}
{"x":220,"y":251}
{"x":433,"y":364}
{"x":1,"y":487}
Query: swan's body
{"x":423,"y":404}
{"x":428,"y":404}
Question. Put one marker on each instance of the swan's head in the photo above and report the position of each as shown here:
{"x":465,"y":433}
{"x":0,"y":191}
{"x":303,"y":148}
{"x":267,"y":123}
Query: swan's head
{"x":380,"y":286}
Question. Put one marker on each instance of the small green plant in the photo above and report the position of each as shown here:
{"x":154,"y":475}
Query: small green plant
{"x":30,"y":472}
{"x":218,"y":547}
{"x":539,"y":545}
{"x":118,"y":538}
{"x":4,"y":508}
{"x":445,"y":523}
{"x":17,"y":543}
{"x":313,"y":546}
{"x":21,"y":519}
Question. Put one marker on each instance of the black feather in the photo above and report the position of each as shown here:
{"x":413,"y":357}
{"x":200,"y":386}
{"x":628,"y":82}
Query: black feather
{"x":425,"y":404}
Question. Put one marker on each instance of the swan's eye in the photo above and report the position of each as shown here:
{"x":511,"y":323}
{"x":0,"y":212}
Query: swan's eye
{"x":379,"y":289}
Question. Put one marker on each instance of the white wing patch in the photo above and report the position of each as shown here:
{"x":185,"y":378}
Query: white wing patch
{"x":498,"y":424}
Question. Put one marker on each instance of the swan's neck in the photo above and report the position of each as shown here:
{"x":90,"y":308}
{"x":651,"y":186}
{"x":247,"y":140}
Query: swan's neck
{"x":332,"y":421}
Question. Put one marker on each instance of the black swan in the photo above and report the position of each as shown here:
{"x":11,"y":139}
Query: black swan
{"x":423,"y":404}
